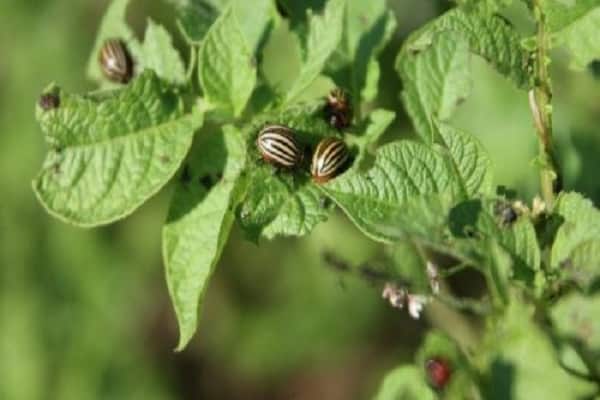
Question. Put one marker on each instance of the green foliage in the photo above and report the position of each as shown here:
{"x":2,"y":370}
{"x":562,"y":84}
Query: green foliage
{"x":103,"y":145}
{"x":368,"y":27}
{"x":580,"y":224}
{"x":575,"y":26}
{"x":405,"y":383}
{"x":521,"y":362}
{"x":321,"y":40}
{"x":227,"y":73}
{"x":437,"y":80}
{"x":429,"y":199}
{"x":199,"y":222}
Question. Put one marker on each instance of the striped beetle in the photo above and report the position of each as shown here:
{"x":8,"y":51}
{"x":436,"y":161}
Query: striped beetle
{"x":338,"y":111}
{"x":115,"y":61}
{"x":329,"y":158}
{"x":278,"y":146}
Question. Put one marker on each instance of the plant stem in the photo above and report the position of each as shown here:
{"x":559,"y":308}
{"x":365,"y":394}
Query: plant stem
{"x":540,"y":102}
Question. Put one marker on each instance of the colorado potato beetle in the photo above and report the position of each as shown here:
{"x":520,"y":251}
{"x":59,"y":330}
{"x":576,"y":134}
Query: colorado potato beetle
{"x":338,"y":110}
{"x":278,"y":146}
{"x":329,"y":159}
{"x":115,"y":61}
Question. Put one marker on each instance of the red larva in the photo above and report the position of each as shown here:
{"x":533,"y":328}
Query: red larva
{"x":438,"y":372}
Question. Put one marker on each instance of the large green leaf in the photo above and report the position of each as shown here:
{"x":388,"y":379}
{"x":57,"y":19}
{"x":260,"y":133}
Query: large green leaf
{"x":109,"y":153}
{"x":489,"y":35}
{"x":470,"y":160}
{"x":323,"y":37}
{"x":368,"y":26}
{"x":199,"y":223}
{"x":405,"y":383}
{"x":576,"y":25}
{"x":408,"y":190}
{"x":521,"y":363}
{"x":226,"y":71}
{"x":369,"y":133}
{"x":436,"y":79}
{"x":581,"y":224}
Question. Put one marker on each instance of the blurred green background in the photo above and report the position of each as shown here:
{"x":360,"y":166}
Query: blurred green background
{"x":84,"y":314}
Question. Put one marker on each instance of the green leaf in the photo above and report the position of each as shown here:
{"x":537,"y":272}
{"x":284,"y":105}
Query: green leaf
{"x":285,"y":202}
{"x":581,"y":223}
{"x":254,"y":18}
{"x":160,"y":55}
{"x":436,"y":79}
{"x":408,"y":181}
{"x":370,"y":132}
{"x":110,"y":153}
{"x":521,"y":363}
{"x":324,"y":35}
{"x":501,"y":268}
{"x":575,"y":25}
{"x":489,"y":35}
{"x":226,"y":71}
{"x":470,"y":160}
{"x":199,"y":223}
{"x":277,"y":206}
{"x":368,"y":27}
{"x":405,"y":383}
{"x":114,"y":25}
{"x":575,"y":318}
{"x":196,"y":16}
{"x":476,"y":223}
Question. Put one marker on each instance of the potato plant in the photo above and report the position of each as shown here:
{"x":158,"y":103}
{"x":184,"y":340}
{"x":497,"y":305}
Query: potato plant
{"x":157,"y":119}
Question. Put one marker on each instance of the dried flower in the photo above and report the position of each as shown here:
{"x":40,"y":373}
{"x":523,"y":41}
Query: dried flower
{"x":416,"y":302}
{"x":399,"y":297}
{"x":394,"y":295}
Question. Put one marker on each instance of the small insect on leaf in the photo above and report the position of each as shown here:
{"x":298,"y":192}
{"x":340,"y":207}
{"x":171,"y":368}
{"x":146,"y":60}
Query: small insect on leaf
{"x":329,"y":160}
{"x":278,"y":146}
{"x":115,"y":61}
{"x":49,"y":101}
{"x":438,"y":372}
{"x":506,"y":213}
{"x":338,"y":110}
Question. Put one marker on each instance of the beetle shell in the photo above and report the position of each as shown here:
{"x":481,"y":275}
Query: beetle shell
{"x":329,"y":159}
{"x":115,"y":61}
{"x":278,"y":146}
{"x":338,"y":111}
